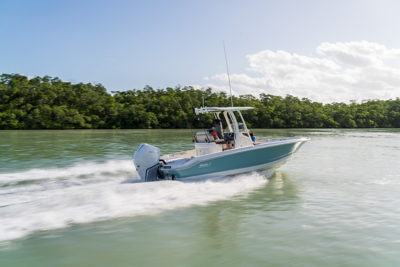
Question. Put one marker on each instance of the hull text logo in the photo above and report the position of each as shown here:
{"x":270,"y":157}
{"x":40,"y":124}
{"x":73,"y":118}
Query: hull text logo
{"x":204,"y":165}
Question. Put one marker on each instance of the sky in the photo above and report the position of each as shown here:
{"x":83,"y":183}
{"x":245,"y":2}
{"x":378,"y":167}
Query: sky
{"x":327,"y":51}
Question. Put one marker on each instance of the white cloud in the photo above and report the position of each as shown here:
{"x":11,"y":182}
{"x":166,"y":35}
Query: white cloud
{"x":29,"y":76}
{"x":343,"y":71}
{"x":357,"y":53}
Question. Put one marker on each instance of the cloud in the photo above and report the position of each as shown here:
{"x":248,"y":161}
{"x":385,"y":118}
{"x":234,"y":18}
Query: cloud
{"x":341,"y":72}
{"x":357,"y":53}
{"x":29,"y":76}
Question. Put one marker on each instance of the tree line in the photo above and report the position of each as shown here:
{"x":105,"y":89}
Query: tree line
{"x":49,"y":103}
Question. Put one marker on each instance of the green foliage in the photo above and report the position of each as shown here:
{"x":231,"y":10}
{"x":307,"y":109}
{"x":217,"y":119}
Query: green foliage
{"x":49,"y":103}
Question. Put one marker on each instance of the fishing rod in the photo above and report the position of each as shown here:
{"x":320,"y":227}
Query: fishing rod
{"x":227,"y":69}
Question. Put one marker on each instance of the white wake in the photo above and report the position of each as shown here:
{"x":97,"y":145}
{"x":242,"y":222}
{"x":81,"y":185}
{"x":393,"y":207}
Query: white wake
{"x":43,"y":199}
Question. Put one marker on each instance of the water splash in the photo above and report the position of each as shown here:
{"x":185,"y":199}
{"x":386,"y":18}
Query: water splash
{"x":56,"y":198}
{"x":78,"y":170}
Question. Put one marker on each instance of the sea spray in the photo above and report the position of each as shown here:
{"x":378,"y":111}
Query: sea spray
{"x":77,"y":170}
{"x":55,"y":198}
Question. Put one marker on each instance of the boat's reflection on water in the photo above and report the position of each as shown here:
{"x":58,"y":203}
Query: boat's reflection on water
{"x":228,"y":222}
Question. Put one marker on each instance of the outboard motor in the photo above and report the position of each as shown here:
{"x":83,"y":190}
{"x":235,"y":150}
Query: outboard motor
{"x":147,"y":162}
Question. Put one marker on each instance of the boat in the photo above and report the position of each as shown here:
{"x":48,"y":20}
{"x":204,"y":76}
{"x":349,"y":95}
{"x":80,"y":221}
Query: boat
{"x":211,"y":158}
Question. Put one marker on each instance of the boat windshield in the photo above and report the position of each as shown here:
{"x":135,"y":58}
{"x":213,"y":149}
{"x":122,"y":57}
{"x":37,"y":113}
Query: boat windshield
{"x":235,"y":123}
{"x":240,"y":126}
{"x":231,"y":115}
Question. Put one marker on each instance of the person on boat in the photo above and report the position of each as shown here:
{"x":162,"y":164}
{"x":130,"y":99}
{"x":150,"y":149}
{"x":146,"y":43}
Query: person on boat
{"x":218,"y":129}
{"x":212,"y":132}
{"x":219,"y":141}
{"x":252,"y":137}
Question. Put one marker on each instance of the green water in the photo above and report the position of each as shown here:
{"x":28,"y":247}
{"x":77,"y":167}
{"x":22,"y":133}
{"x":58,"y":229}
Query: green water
{"x":73,"y":198}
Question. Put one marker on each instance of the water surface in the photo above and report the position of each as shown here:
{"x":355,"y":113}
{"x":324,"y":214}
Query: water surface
{"x":71,"y":198}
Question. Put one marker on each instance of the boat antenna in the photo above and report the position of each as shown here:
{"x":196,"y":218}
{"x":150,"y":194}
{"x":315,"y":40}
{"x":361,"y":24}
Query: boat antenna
{"x":227,"y":69}
{"x":184,"y":114}
{"x":198,"y":118}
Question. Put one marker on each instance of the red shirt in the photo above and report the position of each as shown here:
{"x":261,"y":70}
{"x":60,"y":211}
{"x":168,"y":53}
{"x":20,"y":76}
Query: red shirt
{"x":213,"y":133}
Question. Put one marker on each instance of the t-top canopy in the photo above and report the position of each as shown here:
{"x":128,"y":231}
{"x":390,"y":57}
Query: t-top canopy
{"x":216,"y":109}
